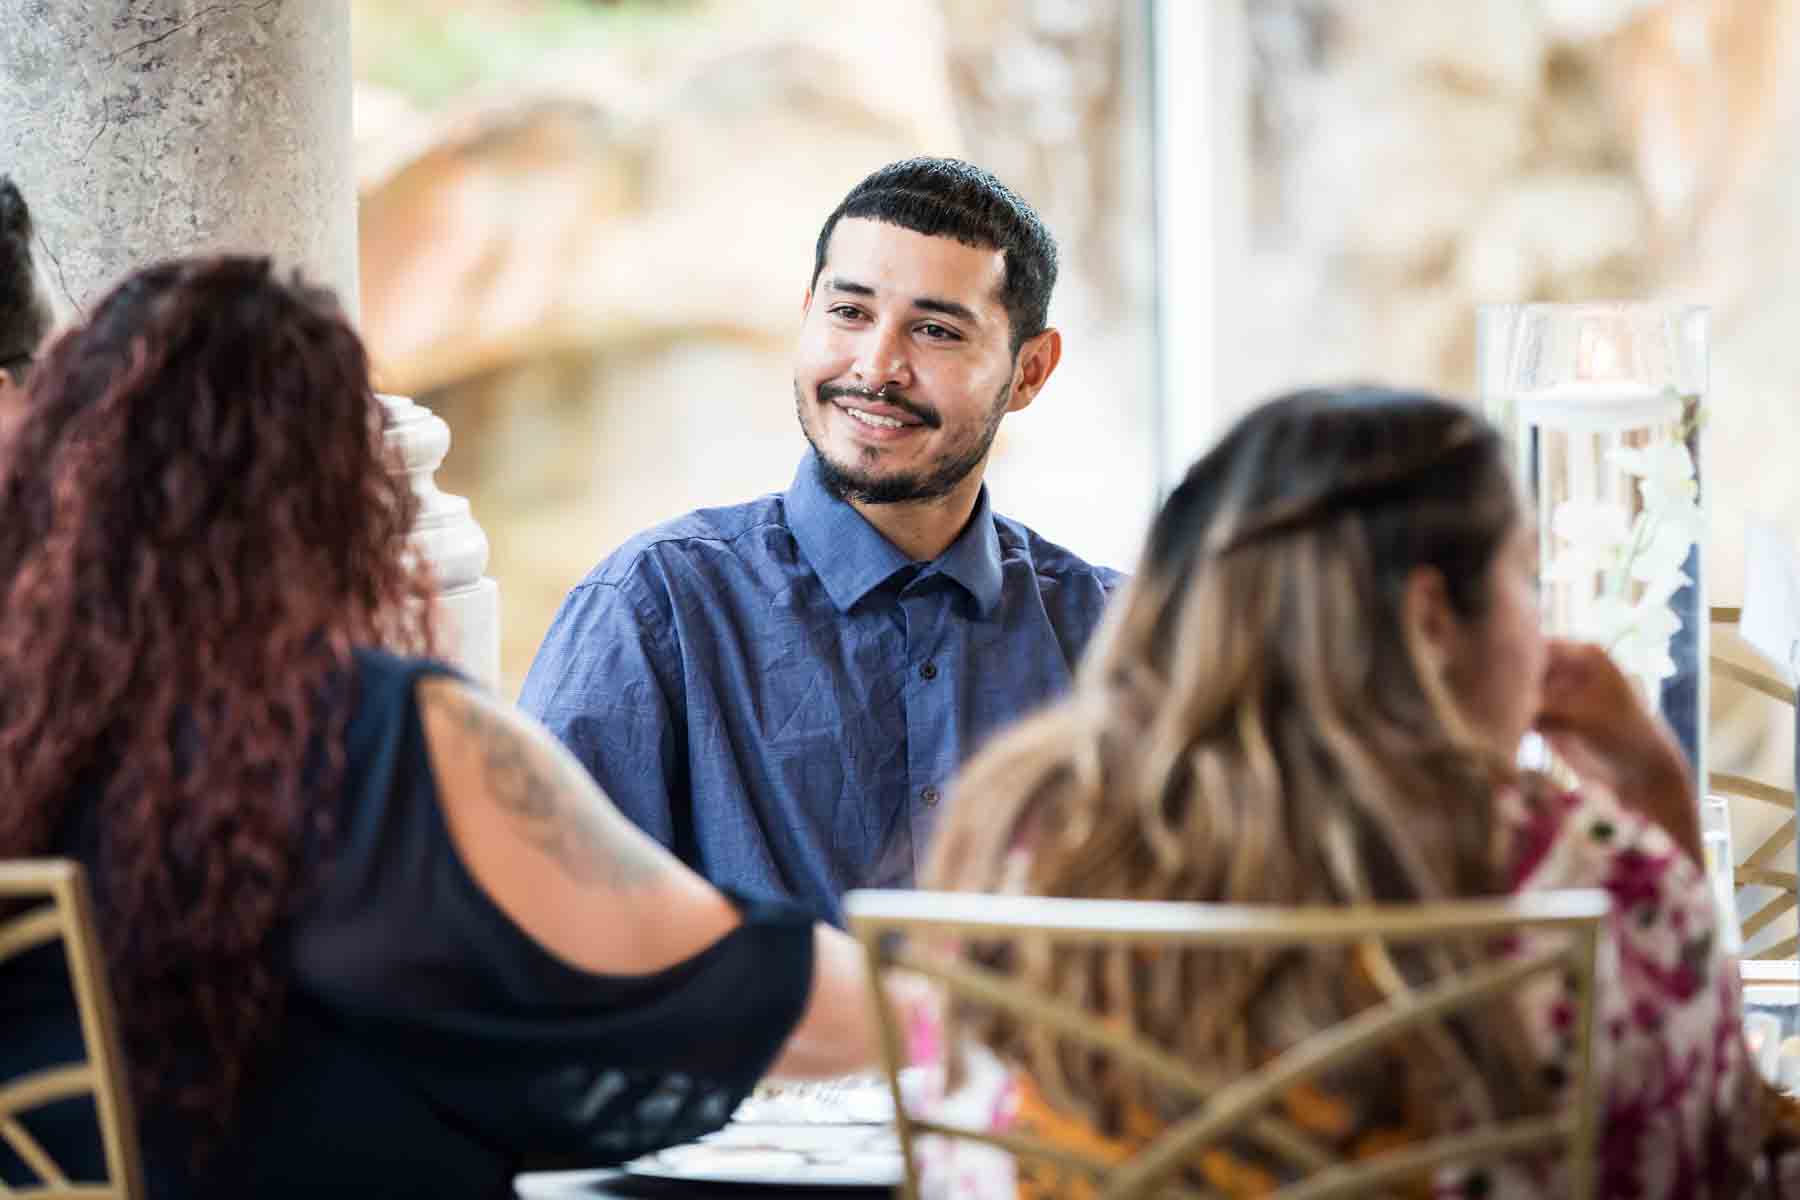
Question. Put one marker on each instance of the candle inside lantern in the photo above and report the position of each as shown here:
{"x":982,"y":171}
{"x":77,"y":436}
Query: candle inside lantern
{"x":1600,"y":404}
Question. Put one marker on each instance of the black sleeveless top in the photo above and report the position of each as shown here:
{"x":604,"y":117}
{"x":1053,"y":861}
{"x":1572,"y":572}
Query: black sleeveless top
{"x":429,"y":1045}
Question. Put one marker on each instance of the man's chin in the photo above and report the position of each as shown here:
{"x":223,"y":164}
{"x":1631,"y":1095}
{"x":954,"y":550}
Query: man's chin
{"x":870,"y":487}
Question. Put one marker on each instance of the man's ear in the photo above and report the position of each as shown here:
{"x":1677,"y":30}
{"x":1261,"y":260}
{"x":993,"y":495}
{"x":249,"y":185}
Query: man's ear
{"x":806,"y":304}
{"x":1032,"y":369}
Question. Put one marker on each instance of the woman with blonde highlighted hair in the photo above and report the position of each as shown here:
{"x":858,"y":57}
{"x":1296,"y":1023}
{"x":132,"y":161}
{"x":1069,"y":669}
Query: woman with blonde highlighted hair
{"x":1313,"y":692}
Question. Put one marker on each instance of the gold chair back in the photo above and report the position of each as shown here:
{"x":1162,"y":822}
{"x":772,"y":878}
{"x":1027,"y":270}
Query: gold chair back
{"x":1758,"y":868}
{"x":887,"y":923}
{"x":57,"y":907}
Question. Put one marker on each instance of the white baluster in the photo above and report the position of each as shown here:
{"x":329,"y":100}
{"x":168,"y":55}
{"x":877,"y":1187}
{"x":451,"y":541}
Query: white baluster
{"x":447,"y":535}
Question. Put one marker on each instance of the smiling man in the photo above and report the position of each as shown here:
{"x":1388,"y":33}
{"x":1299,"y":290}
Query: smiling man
{"x":779,"y":691}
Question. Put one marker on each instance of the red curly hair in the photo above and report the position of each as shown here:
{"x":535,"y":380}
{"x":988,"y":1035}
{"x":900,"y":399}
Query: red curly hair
{"x":201,"y":521}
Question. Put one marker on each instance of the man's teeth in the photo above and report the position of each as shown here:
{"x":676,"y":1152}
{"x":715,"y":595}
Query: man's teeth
{"x":875,"y":419}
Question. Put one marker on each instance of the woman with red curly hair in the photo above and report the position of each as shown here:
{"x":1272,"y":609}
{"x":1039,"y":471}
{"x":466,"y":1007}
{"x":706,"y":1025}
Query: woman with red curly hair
{"x":366,"y":924}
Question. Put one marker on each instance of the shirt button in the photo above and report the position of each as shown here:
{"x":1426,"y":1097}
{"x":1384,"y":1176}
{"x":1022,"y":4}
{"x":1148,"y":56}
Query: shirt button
{"x":930,"y":797}
{"x":928,"y":670}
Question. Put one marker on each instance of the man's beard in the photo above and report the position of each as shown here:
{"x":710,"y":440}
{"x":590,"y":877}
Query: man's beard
{"x":940,"y":479}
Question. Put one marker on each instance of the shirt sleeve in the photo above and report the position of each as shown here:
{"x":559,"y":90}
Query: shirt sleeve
{"x":606,"y":683}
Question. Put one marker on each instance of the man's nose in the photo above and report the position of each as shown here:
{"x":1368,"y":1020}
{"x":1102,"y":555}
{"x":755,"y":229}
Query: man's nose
{"x":881,"y":359}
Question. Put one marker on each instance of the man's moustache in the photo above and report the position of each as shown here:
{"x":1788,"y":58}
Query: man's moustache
{"x":883,"y":396}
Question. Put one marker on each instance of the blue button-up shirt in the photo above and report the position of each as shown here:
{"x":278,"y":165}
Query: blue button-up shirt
{"x":779,"y":695}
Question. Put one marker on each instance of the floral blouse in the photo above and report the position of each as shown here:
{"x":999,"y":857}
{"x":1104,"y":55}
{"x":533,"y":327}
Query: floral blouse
{"x":1679,"y":1116}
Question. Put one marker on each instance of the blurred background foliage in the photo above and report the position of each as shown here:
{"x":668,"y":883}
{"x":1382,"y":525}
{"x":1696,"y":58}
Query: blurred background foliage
{"x":431,"y":52}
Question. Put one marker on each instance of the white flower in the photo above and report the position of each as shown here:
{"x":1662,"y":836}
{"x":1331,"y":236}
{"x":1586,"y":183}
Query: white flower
{"x":1603,"y":618}
{"x":1654,"y":619}
{"x":1682,"y":514}
{"x":1642,"y":646}
{"x":1663,"y":495}
{"x":1667,"y":460}
{"x":1636,"y":635}
{"x":1644,"y":656}
{"x":1660,"y":589}
{"x":1623,"y":570}
{"x":1662,"y":553}
{"x":1594,"y":537}
{"x":1665,"y":473}
{"x":1592,"y":526}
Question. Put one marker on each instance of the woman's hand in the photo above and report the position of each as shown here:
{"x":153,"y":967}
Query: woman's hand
{"x":1593,"y":718}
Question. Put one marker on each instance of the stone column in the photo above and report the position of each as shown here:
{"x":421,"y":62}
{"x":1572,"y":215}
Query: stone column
{"x":144,"y":129}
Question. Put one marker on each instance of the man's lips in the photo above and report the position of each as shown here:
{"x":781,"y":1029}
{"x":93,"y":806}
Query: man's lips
{"x":879,"y":425}
{"x":862,"y":402}
{"x":879,"y":410}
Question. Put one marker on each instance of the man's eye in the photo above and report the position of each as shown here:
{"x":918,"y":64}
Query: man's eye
{"x":845,"y":312}
{"x":938,"y":332}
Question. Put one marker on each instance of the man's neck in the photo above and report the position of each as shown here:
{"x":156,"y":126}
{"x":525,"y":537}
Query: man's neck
{"x":924,"y":529}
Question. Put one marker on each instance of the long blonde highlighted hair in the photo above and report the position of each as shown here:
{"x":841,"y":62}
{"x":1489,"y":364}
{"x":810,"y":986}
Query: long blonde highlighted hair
{"x":1255,"y":723}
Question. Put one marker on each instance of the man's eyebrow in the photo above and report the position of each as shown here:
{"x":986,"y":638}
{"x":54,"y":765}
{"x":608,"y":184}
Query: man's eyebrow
{"x":835,"y":284}
{"x":949,"y":308}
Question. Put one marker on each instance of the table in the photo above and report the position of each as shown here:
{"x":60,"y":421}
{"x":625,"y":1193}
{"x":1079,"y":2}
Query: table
{"x":835,"y":1125}
{"x":617,"y":1185}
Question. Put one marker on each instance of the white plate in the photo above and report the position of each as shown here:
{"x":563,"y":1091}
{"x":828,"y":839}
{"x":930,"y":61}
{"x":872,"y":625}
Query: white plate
{"x":862,"y":1099}
{"x":808,"y":1155}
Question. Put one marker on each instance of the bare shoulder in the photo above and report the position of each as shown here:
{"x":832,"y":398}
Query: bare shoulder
{"x":500,"y":772}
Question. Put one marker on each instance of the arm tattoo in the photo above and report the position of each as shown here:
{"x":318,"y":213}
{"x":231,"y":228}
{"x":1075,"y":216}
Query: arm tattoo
{"x":557,"y":807}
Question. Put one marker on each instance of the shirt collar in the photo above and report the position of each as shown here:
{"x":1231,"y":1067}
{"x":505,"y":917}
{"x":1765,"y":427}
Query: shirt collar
{"x":973,"y":559}
{"x":852,"y":559}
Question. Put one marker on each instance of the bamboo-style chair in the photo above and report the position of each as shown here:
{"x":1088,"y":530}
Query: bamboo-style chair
{"x":58,"y":907}
{"x":887,"y":922}
{"x":1757,"y":868}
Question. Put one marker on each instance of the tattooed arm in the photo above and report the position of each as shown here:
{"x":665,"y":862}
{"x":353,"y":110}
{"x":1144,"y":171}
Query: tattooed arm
{"x":541,"y":839}
{"x":591,"y":888}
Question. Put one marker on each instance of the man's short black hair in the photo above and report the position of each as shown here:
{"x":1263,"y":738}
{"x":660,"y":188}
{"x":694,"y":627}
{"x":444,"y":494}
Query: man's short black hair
{"x":25,"y":314}
{"x":944,"y":197}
